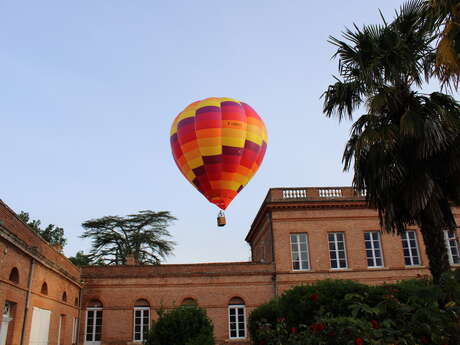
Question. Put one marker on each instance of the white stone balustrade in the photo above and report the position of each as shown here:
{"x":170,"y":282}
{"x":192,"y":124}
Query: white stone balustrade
{"x":294,"y":193}
{"x":330,"y":192}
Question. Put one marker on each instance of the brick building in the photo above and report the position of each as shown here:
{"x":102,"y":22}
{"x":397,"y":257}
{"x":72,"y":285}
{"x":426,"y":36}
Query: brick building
{"x":298,"y":236}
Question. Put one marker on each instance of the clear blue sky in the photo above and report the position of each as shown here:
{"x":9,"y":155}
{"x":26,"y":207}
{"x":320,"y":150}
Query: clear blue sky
{"x":89,"y":90}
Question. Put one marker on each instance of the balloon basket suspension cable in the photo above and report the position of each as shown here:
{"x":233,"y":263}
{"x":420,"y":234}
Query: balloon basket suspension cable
{"x":221,"y":221}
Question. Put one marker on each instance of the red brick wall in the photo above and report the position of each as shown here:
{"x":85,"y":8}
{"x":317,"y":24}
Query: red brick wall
{"x":211,"y":285}
{"x":353,"y":222}
{"x":19,"y":247}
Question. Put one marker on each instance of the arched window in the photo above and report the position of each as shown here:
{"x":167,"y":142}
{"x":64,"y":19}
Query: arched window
{"x":44,"y":289}
{"x":236,"y":318}
{"x":64,"y":296}
{"x":141,"y":319}
{"x":94,"y":322}
{"x":189,"y":302}
{"x":14,"y":275}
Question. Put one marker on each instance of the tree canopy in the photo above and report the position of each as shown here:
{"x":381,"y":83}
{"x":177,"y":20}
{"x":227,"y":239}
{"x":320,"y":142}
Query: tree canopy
{"x":405,"y":148}
{"x":52,"y":234}
{"x":144,"y":235}
{"x":81,"y":259}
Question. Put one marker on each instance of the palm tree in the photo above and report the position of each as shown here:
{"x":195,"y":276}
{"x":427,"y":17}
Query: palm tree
{"x":143,"y":235}
{"x":405,"y":149}
{"x":445,"y":15}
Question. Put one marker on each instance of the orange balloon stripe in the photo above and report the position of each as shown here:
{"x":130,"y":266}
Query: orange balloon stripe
{"x":218,"y":145}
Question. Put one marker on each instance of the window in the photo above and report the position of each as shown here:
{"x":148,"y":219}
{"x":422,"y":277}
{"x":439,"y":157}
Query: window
{"x":189,"y":302}
{"x":14,"y":275}
{"x":236,"y":319}
{"x":61,"y":330}
{"x":373,"y":249}
{"x":64,"y":296}
{"x":337,"y":250}
{"x":299,"y":252}
{"x":44,"y":289}
{"x":74,"y":330}
{"x":141,"y":319}
{"x":410,"y":248}
{"x":75,"y":302}
{"x":452,"y":247}
{"x":94,"y":322}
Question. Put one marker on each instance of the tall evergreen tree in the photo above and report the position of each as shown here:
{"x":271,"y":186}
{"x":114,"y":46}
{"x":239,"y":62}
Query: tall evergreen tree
{"x":144,"y":235}
{"x":52,"y":234}
{"x":405,"y":149}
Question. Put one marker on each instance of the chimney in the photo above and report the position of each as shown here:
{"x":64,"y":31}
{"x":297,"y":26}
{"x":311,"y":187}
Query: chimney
{"x":130,"y":260}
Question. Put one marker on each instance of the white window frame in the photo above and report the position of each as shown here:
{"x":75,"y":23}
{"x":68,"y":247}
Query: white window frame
{"x":302,"y":255}
{"x":405,"y":238}
{"x":74,"y":330}
{"x":142,"y":325}
{"x":451,"y":239}
{"x":373,"y":249}
{"x":237,"y":307}
{"x":93,"y":340}
{"x":61,"y":318}
{"x":336,"y":242}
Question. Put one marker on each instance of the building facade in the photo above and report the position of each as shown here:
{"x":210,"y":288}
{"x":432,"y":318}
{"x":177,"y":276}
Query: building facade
{"x":299,"y":235}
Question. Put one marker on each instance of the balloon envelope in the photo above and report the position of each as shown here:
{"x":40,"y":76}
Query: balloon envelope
{"x":218,"y":145}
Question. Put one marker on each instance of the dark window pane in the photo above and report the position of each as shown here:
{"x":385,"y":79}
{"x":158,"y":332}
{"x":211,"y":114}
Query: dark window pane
{"x":369,"y":253}
{"x":377,"y":253}
{"x":293,"y":238}
{"x":334,"y":263}
{"x":331,"y":237}
{"x":406,"y":252}
{"x":367,"y":236}
{"x":341,"y":255}
{"x":343,"y":263}
{"x":370,"y":262}
{"x":333,"y":255}
{"x":416,"y":261}
{"x":379,"y":262}
{"x":376,"y":244}
{"x":368,"y":245}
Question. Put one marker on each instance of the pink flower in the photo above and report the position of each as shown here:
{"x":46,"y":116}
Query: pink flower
{"x":359,"y":341}
{"x":375,"y":324}
{"x":424,"y":340}
{"x":293,"y":330}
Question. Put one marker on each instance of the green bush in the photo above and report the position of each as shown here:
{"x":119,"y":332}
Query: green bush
{"x":184,"y":325}
{"x":342,"y":312}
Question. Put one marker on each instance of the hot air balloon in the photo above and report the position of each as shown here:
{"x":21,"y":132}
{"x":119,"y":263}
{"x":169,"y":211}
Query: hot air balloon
{"x":218,"y":144}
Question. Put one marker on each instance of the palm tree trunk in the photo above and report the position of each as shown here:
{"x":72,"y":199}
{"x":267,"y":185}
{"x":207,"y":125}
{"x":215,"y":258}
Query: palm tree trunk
{"x":435,"y":246}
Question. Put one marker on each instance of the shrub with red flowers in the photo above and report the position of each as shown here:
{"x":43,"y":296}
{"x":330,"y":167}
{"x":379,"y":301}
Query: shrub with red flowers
{"x":339,"y":312}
